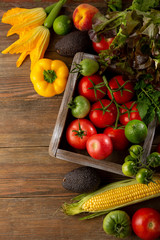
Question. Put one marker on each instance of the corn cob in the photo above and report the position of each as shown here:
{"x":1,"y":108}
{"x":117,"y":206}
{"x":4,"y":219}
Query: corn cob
{"x":113,"y":196}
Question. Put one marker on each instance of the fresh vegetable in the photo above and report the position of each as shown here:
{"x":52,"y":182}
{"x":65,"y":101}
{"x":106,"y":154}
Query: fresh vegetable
{"x":72,"y":43}
{"x":144,"y":5}
{"x":33,"y":42}
{"x":78,"y":132}
{"x":86,"y":67}
{"x":103,"y":113}
{"x":153,"y":160}
{"x":148,"y":99}
{"x":99,"y":146}
{"x":114,"y":5}
{"x":80,"y":106}
{"x":136,"y":131}
{"x":144,"y":175}
{"x":82,"y":180}
{"x":146,"y":223}
{"x":113,"y":196}
{"x":102,"y":44}
{"x":23,"y":19}
{"x":129,"y":168}
{"x":123,"y":91}
{"x":136,"y":151}
{"x":118,"y":137}
{"x":117,"y":223}
{"x":54,"y":13}
{"x":135,"y":49}
{"x":50,"y":7}
{"x":135,"y":166}
{"x":49,"y":77}
{"x":128,"y":112}
{"x":62,"y":25}
{"x":92,"y":87}
{"x":129,"y":158}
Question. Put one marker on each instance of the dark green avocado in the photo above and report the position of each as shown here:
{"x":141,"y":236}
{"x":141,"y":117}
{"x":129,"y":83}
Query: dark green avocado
{"x":82,"y":180}
{"x":72,"y":43}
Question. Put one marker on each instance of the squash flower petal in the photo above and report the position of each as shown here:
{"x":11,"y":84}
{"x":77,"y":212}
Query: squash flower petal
{"x":23,"y":19}
{"x":33,"y":43}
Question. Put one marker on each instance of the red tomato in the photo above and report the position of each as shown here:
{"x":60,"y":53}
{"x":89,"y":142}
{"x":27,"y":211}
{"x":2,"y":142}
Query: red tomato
{"x":125,"y":93}
{"x":118,"y":138}
{"x":92,"y":87}
{"x":103,"y":44}
{"x":78,"y":133}
{"x":99,"y":146}
{"x":129,"y":112}
{"x":103,"y":115}
{"x":158,"y":148}
{"x":146,"y":223}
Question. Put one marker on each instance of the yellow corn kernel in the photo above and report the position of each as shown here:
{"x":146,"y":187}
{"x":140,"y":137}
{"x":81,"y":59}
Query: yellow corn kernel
{"x":113,"y":196}
{"x":120,"y":196}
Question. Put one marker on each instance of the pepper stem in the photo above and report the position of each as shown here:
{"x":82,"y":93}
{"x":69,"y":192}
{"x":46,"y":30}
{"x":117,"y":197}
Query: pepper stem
{"x":49,"y":76}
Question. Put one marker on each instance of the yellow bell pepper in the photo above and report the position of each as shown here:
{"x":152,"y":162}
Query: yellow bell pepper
{"x":49,"y":77}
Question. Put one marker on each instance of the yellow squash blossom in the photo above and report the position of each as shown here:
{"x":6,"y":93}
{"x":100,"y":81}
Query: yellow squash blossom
{"x":49,"y":77}
{"x":23,"y":19}
{"x":33,"y":43}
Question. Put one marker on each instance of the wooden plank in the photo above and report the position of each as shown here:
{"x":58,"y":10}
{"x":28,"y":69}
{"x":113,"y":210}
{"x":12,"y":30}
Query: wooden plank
{"x":63,"y":111}
{"x":106,"y":164}
{"x":27,"y":122}
{"x":31,"y":196}
{"x":43,"y":219}
{"x":31,"y":172}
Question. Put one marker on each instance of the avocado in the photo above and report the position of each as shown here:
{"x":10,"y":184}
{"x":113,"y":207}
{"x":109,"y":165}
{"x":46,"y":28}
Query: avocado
{"x":82,"y":180}
{"x":73,"y":42}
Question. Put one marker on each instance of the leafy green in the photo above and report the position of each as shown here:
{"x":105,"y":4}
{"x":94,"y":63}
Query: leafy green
{"x":114,"y":5}
{"x":148,"y":101}
{"x":135,"y":51}
{"x":144,"y":5}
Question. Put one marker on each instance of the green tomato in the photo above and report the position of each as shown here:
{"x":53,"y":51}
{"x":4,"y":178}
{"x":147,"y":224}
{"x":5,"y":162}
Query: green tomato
{"x":129,"y":158}
{"x":144,"y":176}
{"x":153,"y":159}
{"x":117,"y":223}
{"x":88,"y":67}
{"x":80,"y":107}
{"x":136,"y":151}
{"x":129,"y":168}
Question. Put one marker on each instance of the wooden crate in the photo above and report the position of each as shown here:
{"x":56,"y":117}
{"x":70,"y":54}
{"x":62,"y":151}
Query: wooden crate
{"x":59,"y":147}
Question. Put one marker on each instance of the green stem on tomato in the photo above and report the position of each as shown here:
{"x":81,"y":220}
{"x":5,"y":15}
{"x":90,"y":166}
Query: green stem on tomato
{"x":112,"y":101}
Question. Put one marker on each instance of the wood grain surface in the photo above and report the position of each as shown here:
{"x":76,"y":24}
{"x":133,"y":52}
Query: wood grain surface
{"x":31,"y":192}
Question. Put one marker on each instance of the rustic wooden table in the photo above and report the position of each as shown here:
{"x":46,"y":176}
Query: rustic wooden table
{"x":31,"y":192}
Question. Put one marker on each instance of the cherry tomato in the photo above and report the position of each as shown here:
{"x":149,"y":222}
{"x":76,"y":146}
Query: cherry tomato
{"x":92,"y":87}
{"x":118,"y":137}
{"x":136,"y":151}
{"x":123,"y":91}
{"x":158,"y":148}
{"x":129,"y":168}
{"x":103,"y":44}
{"x":99,"y":146}
{"x":128,"y":112}
{"x":103,"y":113}
{"x":80,"y":106}
{"x":144,"y":176}
{"x":146,"y":223}
{"x":78,"y":133}
{"x":129,"y":158}
{"x":88,"y":67}
{"x":154,"y":159}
